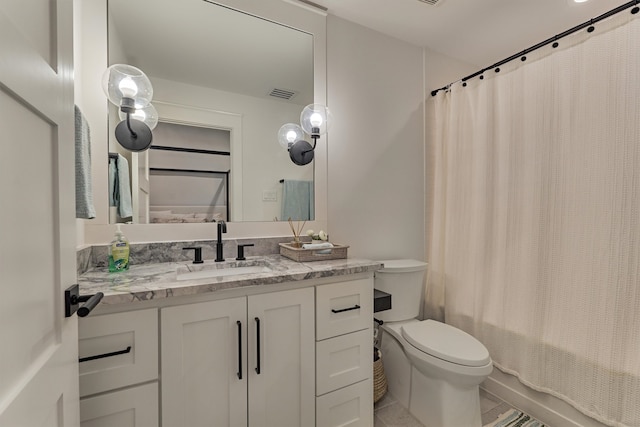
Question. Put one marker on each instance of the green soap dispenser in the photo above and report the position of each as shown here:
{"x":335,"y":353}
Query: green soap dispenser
{"x":118,"y":252}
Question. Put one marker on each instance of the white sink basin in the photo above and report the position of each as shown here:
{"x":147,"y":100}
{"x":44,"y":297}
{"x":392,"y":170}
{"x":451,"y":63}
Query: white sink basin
{"x":213,"y":271}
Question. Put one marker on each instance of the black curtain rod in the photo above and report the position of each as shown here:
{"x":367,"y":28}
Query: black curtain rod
{"x":587,"y":24}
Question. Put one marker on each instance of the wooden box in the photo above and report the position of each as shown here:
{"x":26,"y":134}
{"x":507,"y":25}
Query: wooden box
{"x":307,"y":255}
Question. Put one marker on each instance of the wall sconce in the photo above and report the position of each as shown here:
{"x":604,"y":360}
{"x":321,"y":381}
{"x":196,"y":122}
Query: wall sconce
{"x":130,"y":89}
{"x":315,"y":120}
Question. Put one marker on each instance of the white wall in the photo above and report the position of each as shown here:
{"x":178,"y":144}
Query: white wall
{"x":90,"y":60}
{"x":376,"y":172}
{"x":376,"y":88}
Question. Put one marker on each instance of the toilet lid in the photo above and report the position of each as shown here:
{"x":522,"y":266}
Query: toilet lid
{"x":446,"y":342}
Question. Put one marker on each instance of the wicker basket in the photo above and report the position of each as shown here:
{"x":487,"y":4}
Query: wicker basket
{"x":307,"y":255}
{"x":379,"y":379}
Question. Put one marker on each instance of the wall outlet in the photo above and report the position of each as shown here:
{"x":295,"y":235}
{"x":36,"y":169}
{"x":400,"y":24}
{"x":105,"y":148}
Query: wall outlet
{"x":269,"y":196}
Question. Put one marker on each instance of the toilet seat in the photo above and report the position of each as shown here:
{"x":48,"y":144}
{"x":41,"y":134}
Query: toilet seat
{"x":445,"y":342}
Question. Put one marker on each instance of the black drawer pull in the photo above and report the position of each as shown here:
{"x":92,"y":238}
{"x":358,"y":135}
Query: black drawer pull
{"x":102,"y":356}
{"x":355,"y":307}
{"x":239,"y":349}
{"x":258,"y":345}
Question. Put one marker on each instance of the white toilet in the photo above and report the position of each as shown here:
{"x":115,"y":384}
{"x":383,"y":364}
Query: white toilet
{"x":433,"y":369}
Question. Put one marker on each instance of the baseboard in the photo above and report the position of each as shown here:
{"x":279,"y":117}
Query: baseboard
{"x":549,"y":409}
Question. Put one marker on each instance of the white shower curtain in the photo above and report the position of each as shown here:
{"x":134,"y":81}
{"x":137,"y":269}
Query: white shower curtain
{"x":535,"y":224}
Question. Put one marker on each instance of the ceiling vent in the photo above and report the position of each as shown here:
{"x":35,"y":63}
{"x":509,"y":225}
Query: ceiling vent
{"x":282,"y":93}
{"x":431,"y":2}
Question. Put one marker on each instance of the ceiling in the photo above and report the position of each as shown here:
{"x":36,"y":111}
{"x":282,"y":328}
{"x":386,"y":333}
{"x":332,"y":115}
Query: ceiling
{"x":479,"y":32}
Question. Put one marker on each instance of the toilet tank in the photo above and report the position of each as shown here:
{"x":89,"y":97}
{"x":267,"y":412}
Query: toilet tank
{"x":404,"y":280}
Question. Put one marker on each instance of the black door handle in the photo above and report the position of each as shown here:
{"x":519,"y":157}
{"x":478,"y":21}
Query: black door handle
{"x":355,"y":307}
{"x":239,"y":349}
{"x":72,"y":300}
{"x":258,"y":345}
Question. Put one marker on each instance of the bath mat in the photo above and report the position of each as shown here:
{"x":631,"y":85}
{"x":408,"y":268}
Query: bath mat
{"x":515,"y":418}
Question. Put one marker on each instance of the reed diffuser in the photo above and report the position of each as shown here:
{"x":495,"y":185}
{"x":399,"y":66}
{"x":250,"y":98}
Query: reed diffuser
{"x":296,"y":232}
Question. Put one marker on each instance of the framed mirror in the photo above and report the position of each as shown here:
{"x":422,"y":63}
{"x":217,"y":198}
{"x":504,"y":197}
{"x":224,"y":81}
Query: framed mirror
{"x":226,"y":76}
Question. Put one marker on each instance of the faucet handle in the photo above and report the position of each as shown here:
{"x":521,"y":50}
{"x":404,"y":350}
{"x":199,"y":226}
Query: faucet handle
{"x":197,"y":255}
{"x":240,"y":256}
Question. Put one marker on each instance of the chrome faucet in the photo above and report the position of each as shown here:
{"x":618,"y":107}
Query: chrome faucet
{"x":222,"y":228}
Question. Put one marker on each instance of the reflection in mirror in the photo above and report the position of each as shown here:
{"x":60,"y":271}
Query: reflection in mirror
{"x":189,"y":174}
{"x":211,"y":66}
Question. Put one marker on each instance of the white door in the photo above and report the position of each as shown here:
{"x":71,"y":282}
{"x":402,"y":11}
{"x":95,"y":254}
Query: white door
{"x":204,"y":378}
{"x":39,"y":346}
{"x":282,"y":366}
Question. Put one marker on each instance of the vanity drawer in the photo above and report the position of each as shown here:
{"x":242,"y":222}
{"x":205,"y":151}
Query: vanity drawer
{"x":350,"y":406}
{"x":343,"y":360}
{"x":343,"y":307}
{"x":131,"y":407}
{"x":117,"y":350}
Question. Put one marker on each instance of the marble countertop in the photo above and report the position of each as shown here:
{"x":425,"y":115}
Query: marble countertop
{"x":155,"y":281}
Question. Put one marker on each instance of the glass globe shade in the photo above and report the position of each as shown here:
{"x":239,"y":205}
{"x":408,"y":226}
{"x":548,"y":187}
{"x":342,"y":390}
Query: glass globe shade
{"x":316,"y":116}
{"x":126,"y":81}
{"x":288,"y":134}
{"x":148,"y":115}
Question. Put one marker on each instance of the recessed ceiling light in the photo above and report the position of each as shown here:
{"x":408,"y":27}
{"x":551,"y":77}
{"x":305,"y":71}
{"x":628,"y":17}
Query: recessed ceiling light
{"x":580,"y":1}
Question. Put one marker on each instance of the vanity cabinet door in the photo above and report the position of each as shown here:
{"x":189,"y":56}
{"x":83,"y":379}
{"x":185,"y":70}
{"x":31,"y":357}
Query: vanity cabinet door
{"x":204,"y":382}
{"x":282,"y":359}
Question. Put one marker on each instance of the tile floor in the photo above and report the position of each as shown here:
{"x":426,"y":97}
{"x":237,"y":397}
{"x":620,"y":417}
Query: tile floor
{"x":388,"y":412}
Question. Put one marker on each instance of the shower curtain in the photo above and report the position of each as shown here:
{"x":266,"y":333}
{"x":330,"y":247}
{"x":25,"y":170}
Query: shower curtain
{"x":534,"y":245}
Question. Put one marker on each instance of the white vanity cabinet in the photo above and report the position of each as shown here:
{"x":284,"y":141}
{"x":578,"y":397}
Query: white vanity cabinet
{"x":238,"y":362}
{"x":290,"y":354}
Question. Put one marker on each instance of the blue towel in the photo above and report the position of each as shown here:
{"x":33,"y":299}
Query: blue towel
{"x":113,"y":182}
{"x":84,"y":190}
{"x":297,"y":200}
{"x":119,"y":187}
